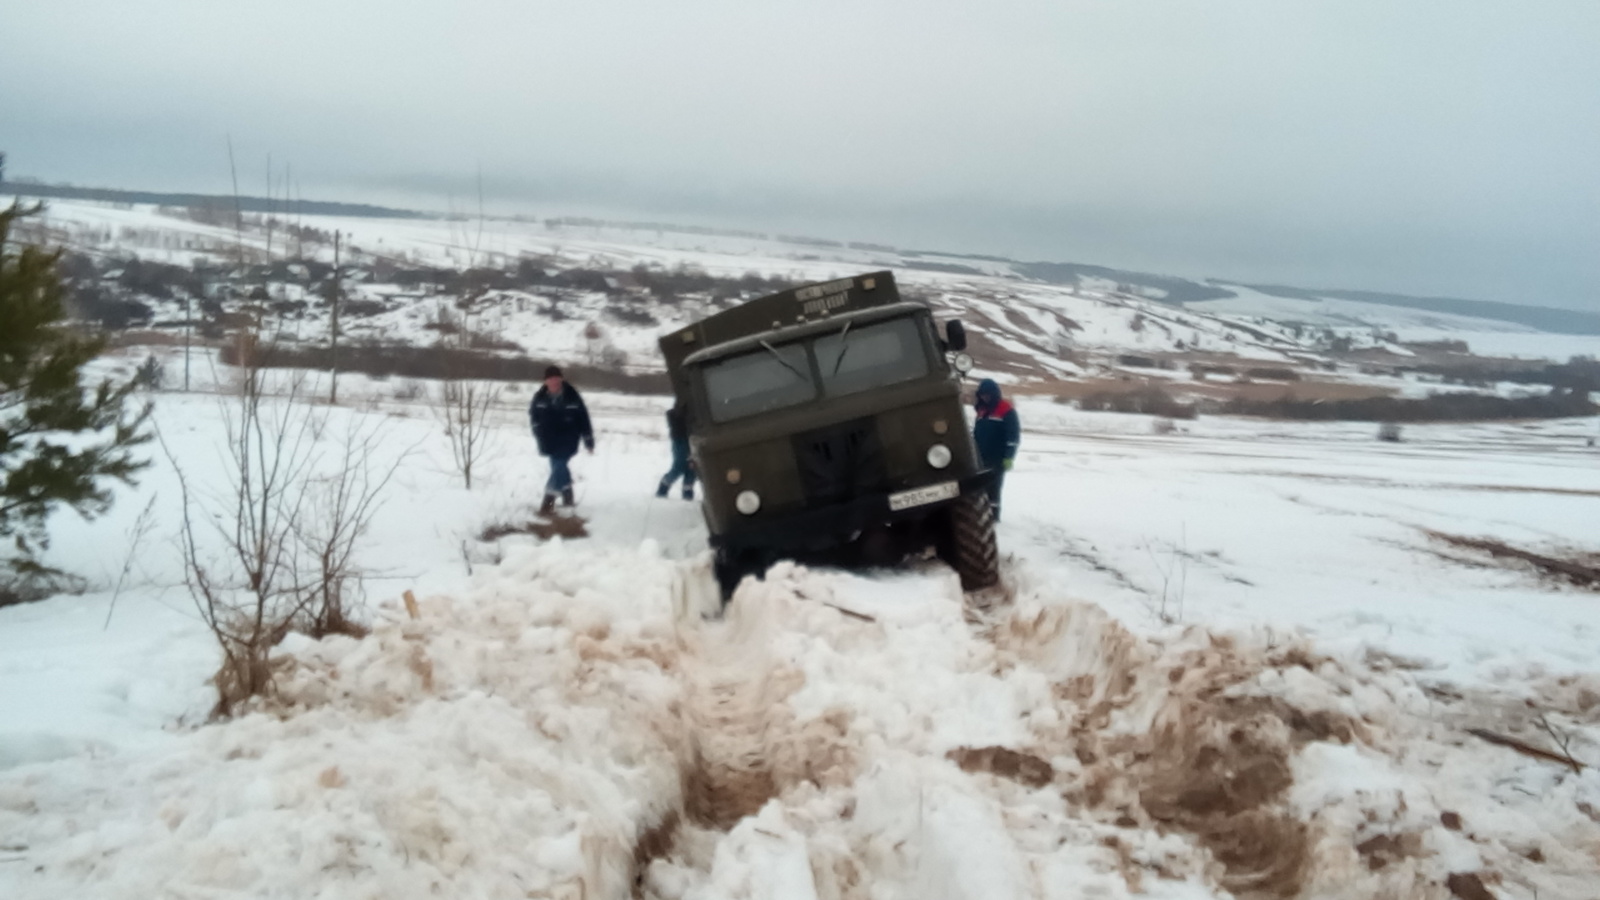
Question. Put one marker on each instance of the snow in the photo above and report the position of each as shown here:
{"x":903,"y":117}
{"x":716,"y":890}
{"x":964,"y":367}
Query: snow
{"x":1486,"y":337}
{"x":1033,"y":322}
{"x":562,"y":698}
{"x":1264,"y":593}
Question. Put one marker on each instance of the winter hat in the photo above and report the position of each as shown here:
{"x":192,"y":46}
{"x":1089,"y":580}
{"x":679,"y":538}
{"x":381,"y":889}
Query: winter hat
{"x":552,"y":372}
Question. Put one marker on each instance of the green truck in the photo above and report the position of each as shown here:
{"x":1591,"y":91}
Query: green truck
{"x":827,"y":425}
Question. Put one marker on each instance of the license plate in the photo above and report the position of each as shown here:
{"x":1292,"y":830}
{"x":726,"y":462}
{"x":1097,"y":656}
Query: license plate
{"x":922,"y":496}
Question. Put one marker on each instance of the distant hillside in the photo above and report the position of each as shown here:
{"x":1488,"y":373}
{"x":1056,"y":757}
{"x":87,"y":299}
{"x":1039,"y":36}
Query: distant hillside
{"x":1169,"y":289}
{"x":216,"y":201}
{"x":1176,"y":290}
{"x":1544,"y":318}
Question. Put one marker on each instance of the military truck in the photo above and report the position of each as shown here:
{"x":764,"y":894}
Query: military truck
{"x":827,"y":425}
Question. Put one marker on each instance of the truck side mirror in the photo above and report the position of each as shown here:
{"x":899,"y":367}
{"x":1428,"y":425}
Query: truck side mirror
{"x":955,"y":335}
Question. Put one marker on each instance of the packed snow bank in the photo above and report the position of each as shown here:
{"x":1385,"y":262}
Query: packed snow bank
{"x":574,"y":727}
{"x":505,"y":744}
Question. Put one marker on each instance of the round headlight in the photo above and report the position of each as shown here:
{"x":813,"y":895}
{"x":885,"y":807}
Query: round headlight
{"x":734,"y":476}
{"x":747,"y":502}
{"x":940,"y":426}
{"x":938,"y":456}
{"x":962,"y":362}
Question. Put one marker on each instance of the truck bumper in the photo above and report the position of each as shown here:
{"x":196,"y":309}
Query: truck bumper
{"x":826,"y":527}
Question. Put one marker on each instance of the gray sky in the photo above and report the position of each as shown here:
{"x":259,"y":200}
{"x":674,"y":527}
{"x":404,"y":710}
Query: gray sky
{"x":1421,"y":146}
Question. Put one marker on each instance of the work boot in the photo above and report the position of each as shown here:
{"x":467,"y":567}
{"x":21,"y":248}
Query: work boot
{"x":548,"y":506}
{"x":661,"y":490}
{"x":688,"y":493}
{"x":566,"y":497}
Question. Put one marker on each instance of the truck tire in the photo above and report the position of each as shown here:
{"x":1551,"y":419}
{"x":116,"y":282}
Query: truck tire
{"x":969,"y":545}
{"x":729,"y":571}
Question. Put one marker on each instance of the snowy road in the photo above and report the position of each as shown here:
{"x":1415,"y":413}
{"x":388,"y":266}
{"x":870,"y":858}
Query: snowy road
{"x":1233,"y":660}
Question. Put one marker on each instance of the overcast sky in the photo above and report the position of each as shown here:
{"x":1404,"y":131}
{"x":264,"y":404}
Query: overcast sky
{"x":1422,"y":146}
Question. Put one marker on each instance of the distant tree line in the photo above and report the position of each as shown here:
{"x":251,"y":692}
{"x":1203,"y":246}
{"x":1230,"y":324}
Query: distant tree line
{"x":1457,"y":407}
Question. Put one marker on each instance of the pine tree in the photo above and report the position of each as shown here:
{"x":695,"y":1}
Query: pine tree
{"x":60,"y":443}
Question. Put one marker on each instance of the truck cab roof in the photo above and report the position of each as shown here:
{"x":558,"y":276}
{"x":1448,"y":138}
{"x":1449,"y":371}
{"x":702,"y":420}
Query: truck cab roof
{"x":746,"y":324}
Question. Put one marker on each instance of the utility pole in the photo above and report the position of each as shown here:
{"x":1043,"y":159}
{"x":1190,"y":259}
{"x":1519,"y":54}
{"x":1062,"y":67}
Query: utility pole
{"x":238,"y":214}
{"x":335,"y":294}
{"x":188,"y":328}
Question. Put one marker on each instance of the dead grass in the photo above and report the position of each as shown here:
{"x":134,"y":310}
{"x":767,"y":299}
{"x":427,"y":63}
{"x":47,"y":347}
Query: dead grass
{"x":1578,"y":570}
{"x":567,"y":527}
{"x":1370,"y":481}
{"x":1209,"y":390}
{"x":156,"y":338}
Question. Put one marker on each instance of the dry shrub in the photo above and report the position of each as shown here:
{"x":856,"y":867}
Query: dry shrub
{"x":1272,"y":373}
{"x":1453,"y":407}
{"x":288,"y":525}
{"x":445,"y":362}
{"x":465,"y":409}
{"x":1148,"y":400}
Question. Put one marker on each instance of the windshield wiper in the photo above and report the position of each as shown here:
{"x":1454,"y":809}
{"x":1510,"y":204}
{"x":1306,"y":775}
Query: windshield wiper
{"x":844,"y":346}
{"x":779,"y":357}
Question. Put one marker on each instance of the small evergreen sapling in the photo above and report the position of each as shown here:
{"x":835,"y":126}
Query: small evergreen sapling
{"x":60,"y":443}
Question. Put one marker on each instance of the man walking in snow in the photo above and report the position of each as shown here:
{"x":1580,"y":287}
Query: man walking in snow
{"x":560,"y":421}
{"x":997,"y":432}
{"x":682,"y":465}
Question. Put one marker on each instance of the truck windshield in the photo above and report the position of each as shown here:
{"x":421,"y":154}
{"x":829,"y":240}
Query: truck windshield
{"x":851,"y":360}
{"x":871,"y":356}
{"x":765,"y":379}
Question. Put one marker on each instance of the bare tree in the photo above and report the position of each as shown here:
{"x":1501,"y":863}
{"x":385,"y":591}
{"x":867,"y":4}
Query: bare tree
{"x":344,"y":503}
{"x":464,"y":408}
{"x":285,"y":533}
{"x":251,"y":595}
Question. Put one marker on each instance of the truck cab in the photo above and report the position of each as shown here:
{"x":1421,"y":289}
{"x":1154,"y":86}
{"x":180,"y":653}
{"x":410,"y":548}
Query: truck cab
{"x":827,"y":425}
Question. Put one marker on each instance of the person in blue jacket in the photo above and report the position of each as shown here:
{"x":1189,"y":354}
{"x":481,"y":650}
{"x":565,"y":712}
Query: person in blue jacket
{"x":682,"y":465}
{"x":560,"y":421}
{"x":997,"y":432}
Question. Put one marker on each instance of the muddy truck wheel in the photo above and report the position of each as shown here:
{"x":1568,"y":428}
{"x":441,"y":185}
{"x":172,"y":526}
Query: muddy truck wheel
{"x":729,"y":571}
{"x":969,"y":545}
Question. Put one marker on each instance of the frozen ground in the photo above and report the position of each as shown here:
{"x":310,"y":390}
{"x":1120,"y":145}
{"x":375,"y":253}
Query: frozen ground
{"x":1229,"y":659}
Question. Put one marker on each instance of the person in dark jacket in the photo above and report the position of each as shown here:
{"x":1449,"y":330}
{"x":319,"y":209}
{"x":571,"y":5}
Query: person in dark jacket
{"x":682,"y":465}
{"x":560,"y":422}
{"x":997,"y":432}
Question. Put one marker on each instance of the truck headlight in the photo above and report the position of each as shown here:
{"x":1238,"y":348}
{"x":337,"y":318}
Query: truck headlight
{"x":938,"y":456}
{"x":747,"y":502}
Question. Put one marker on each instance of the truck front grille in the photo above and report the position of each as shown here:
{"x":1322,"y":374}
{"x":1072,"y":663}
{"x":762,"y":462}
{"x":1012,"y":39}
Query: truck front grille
{"x":840,"y":462}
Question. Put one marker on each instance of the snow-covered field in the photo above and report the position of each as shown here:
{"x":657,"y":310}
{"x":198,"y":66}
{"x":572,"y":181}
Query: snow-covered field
{"x":1030,"y":329}
{"x":1230,"y":659}
{"x":1485,"y":337}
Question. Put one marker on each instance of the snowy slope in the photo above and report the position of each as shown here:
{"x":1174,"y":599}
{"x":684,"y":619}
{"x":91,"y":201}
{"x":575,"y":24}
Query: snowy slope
{"x":1032,"y":329}
{"x":1243,"y":611}
{"x":1486,"y":337}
